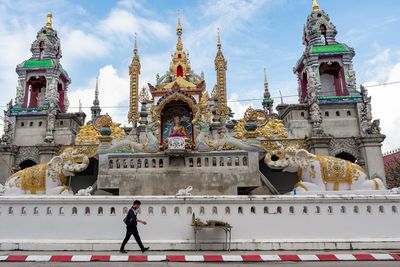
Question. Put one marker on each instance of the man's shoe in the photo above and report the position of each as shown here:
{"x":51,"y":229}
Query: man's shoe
{"x":145,"y":249}
{"x":123,"y":251}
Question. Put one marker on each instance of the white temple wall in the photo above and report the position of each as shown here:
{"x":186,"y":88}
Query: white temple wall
{"x":259,"y":222}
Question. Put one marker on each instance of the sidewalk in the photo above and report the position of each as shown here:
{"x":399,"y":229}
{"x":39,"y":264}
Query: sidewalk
{"x":201,"y":256}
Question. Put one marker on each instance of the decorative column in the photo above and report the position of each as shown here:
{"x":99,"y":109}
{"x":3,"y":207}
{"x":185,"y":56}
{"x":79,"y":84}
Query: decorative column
{"x":134,"y":72}
{"x":220,"y":87}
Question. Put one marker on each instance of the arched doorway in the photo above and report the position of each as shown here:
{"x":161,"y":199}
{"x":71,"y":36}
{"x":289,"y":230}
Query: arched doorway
{"x":346,"y":156}
{"x":176,"y":120}
{"x":26,"y":164}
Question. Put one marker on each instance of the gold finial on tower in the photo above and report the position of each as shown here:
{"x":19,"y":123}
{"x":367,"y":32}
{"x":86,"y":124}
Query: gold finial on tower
{"x":179,"y":45}
{"x":135,"y":47}
{"x":315,"y":6}
{"x":49,"y":22}
{"x":219,"y":40}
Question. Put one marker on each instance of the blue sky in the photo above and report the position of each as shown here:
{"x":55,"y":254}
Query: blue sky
{"x":97,"y":40}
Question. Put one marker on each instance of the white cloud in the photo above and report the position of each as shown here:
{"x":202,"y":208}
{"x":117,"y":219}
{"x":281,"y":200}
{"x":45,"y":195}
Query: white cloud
{"x":385,"y":107}
{"x":114,"y":92}
{"x":78,"y":45}
{"x":238,"y":108}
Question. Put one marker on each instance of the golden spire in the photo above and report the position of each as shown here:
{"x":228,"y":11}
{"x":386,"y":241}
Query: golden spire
{"x":49,"y":22}
{"x":179,"y":45}
{"x":135,"y":47}
{"x":315,"y":6}
{"x":219,"y":40}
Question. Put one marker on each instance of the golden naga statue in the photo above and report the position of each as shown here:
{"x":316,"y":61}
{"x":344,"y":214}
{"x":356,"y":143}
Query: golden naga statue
{"x":47,"y":178}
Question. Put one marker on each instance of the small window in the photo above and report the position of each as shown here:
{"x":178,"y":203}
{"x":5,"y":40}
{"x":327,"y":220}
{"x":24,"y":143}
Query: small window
{"x":348,"y":113}
{"x":100,"y":211}
{"x":153,"y":163}
{"x":337,"y":113}
{"x":291,"y":210}
{"x":87,"y":211}
{"x":266,"y":210}
{"x":244,"y":161}
{"x":176,"y":210}
{"x":355,"y":209}
{"x":190,"y":162}
{"x":160,"y":163}
{"x":198,"y":162}
{"x":36,"y":211}
{"x":163,"y":210}
{"x":229,"y":162}
{"x":23,"y":211}
{"x":343,"y":209}
{"x":381,"y":209}
{"x":221,"y":161}
{"x":302,"y":114}
{"x":125,"y":210}
{"x":214,"y":161}
{"x":30,"y":123}
{"x":125,"y":164}
{"x":237,"y":161}
{"x":253,"y":210}
{"x":330,"y":210}
{"x":279,"y":210}
{"x":22,"y":124}
{"x":112,"y":211}
{"x":61,"y":123}
{"x":317,"y":210}
{"x":10,"y":211}
{"x":74,"y":211}
{"x":214,"y":210}
{"x":132,"y":163}
{"x":369,"y":209}
{"x":227,"y":210}
{"x":240,"y":210}
{"x":189,"y":210}
{"x":118,"y":164}
{"x":110,"y":164}
{"x":394,"y":209}
{"x":305,"y":210}
{"x":49,"y":211}
{"x":40,"y":123}
{"x":326,"y":113}
{"x":146,"y":163}
{"x":139,"y":163}
{"x":150,"y":210}
{"x":206,"y":163}
{"x":62,"y":211}
{"x":202,"y":211}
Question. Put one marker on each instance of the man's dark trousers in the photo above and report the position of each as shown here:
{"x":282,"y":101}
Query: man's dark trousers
{"x":132,"y":230}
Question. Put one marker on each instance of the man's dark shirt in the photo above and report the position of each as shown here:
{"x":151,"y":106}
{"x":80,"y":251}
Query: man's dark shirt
{"x":132,"y":219}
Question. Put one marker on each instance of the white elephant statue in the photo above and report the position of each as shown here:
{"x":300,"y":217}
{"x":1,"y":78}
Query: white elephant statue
{"x":321,"y":173}
{"x":48,"y":178}
{"x":85,"y":192}
{"x":185,"y":191}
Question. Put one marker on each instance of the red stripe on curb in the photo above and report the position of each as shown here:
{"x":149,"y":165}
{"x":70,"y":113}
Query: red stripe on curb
{"x":213,"y":258}
{"x":251,"y":258}
{"x":327,"y":257}
{"x":289,"y":258}
{"x":176,"y":258}
{"x":364,"y":257}
{"x":16,"y":258}
{"x":60,"y":258}
{"x":395,"y":256}
{"x":100,"y":258}
{"x":137,"y":258}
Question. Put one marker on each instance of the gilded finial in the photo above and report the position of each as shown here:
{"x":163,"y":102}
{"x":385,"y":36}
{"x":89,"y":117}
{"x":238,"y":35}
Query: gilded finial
{"x":49,"y":22}
{"x":135,"y":47}
{"x":179,"y":45}
{"x":219,"y":40}
{"x":315,"y":6}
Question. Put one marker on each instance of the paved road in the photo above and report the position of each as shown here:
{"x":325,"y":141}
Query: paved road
{"x":173,"y":264}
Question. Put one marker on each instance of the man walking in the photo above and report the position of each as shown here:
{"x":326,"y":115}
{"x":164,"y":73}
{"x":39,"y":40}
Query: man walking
{"x":131,"y":227}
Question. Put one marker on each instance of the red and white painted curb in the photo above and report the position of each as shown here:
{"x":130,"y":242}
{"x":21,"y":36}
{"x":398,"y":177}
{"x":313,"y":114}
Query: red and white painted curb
{"x":203,"y":258}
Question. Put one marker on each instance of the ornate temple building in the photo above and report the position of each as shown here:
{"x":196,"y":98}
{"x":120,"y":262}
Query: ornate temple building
{"x":333,"y":116}
{"x":183,"y":137}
